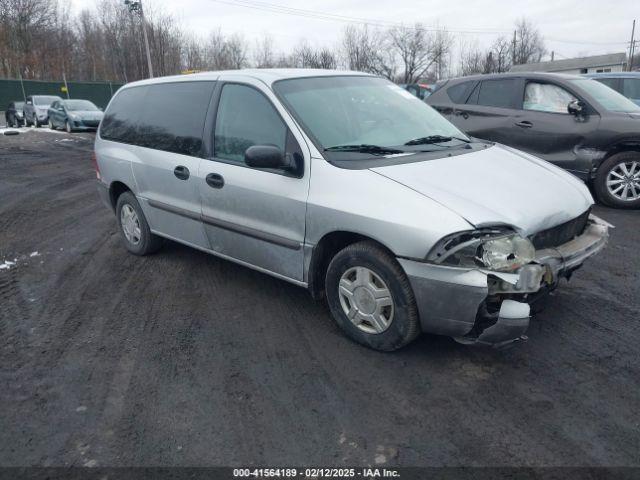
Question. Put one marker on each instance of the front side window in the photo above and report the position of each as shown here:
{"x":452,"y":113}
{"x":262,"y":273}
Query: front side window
{"x":631,"y":88}
{"x":360,"y":110}
{"x":545,"y":97}
{"x":498,"y":93}
{"x":245,"y":118}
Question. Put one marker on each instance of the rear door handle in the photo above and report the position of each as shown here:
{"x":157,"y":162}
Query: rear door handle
{"x":181,"y":172}
{"x":524,"y":124}
{"x":214,"y":180}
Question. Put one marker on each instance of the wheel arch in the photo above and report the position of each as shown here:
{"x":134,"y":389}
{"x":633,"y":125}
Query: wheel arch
{"x":326,"y":248}
{"x":116,"y":189}
{"x":622,"y":146}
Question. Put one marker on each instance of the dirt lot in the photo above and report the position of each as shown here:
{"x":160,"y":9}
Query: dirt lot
{"x":184,"y":359}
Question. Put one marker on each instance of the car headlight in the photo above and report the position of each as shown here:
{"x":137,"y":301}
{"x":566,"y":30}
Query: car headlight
{"x":491,"y":249}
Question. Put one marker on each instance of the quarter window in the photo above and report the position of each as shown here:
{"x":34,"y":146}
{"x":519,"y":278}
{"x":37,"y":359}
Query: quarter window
{"x":545,"y":97}
{"x":245,"y":118}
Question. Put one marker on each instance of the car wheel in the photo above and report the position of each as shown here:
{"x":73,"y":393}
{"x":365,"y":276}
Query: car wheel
{"x":370,"y":297}
{"x":617,"y":182}
{"x":51,"y":126}
{"x":36,"y":122}
{"x":67,"y":126}
{"x":134,"y":228}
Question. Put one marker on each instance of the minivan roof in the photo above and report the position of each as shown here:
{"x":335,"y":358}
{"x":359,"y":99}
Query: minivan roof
{"x":267,"y":75}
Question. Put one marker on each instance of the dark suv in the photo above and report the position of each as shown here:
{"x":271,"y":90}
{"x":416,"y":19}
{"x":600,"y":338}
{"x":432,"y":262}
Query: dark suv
{"x":574,"y":122}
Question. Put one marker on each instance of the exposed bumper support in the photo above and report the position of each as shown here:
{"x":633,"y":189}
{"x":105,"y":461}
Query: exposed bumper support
{"x":486,"y":307}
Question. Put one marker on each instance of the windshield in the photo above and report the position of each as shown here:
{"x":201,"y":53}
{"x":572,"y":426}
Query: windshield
{"x":19,"y":105}
{"x":607,"y":97}
{"x":363,"y":111}
{"x":79,"y":105}
{"x":44,"y":100}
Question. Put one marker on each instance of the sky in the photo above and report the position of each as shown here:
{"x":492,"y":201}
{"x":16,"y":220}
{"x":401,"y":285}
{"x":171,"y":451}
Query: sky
{"x":570,"y":27}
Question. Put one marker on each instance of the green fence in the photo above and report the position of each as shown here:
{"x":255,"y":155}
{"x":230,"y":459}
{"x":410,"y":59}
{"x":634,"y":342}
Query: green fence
{"x":98,"y":92}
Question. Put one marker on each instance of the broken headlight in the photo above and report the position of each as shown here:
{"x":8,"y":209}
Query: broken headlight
{"x":491,"y":249}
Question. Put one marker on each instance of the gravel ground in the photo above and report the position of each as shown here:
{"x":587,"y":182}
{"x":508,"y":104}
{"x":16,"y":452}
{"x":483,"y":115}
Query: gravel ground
{"x":180,"y":358}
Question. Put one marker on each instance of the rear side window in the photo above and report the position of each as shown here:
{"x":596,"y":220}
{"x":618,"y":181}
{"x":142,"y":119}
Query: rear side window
{"x":460,"y":92}
{"x":498,"y":93}
{"x":173,"y":117}
{"x":246,"y":118}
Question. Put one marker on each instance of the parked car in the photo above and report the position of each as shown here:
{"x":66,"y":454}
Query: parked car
{"x":574,"y":122}
{"x":348,"y":185}
{"x":74,"y":115}
{"x":420,"y":90}
{"x":626,"y":83}
{"x":14,"y":115}
{"x":36,"y":109}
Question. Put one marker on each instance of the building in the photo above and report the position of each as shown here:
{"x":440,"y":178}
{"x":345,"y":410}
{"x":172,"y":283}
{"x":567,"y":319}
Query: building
{"x":612,"y":62}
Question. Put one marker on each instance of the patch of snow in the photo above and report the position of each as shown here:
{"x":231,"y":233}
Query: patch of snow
{"x":7,"y":265}
{"x":34,"y":254}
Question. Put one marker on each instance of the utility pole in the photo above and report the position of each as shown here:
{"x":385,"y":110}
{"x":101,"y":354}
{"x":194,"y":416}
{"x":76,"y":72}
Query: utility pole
{"x":513,"y":56}
{"x":136,"y":6}
{"x":632,"y":46}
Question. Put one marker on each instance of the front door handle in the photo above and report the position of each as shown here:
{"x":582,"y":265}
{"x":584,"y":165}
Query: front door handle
{"x":464,"y":115}
{"x":181,"y":172}
{"x":524,"y":124}
{"x":214,"y":180}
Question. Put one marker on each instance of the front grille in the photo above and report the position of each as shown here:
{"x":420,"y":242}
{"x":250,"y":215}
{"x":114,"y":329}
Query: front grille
{"x":561,"y":234}
{"x":91,"y":123}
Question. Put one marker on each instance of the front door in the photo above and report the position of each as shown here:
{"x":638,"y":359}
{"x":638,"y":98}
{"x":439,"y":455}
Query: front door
{"x":545,"y":128}
{"x":252,"y":215}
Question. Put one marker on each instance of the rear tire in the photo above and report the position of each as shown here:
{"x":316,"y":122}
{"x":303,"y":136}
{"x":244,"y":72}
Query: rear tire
{"x":619,"y":175}
{"x":370,"y":297}
{"x":133,"y":226}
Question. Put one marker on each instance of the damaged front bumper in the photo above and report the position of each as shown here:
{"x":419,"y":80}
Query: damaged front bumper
{"x":481,"y":306}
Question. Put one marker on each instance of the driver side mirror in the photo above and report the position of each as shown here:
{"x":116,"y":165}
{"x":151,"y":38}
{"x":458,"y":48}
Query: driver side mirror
{"x":266,"y":156}
{"x":576,"y":107}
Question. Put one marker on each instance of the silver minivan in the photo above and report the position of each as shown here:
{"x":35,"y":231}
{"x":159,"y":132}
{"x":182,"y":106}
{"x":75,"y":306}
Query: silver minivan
{"x":348,"y":185}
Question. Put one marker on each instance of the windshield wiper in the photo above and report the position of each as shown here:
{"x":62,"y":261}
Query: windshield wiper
{"x":434,"y":139}
{"x":363,"y":148}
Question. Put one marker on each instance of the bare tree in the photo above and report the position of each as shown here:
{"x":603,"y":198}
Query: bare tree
{"x":418,"y":49}
{"x":367,"y":50}
{"x":528,"y":45}
{"x":264,"y":55}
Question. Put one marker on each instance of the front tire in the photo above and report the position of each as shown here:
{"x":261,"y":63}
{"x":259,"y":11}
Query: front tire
{"x":67,"y":126}
{"x":134,"y":228}
{"x":51,"y":125}
{"x":617,"y":182}
{"x":370,"y":297}
{"x":36,"y":122}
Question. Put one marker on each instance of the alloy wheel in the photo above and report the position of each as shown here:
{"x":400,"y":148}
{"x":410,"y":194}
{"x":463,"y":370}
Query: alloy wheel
{"x":130,"y":224}
{"x":366,"y":300}
{"x":623,"y":181}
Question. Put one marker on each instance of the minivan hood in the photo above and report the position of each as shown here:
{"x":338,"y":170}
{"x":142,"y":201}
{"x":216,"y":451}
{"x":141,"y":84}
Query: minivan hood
{"x":497,"y":185}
